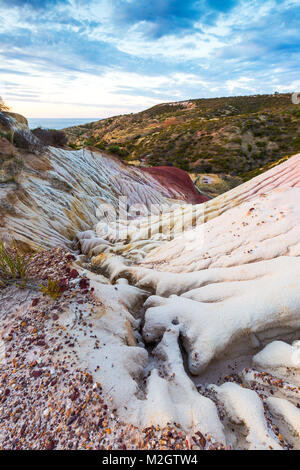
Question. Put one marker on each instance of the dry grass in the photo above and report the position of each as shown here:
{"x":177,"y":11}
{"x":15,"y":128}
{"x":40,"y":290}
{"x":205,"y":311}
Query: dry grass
{"x":13,"y":263}
{"x":52,"y":289}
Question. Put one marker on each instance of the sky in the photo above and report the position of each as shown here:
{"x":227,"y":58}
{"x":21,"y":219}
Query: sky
{"x":99,"y":58}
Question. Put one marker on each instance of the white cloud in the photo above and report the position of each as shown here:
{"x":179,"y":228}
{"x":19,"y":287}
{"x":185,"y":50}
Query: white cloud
{"x":244,"y":83}
{"x":236,"y":55}
{"x":83,"y":96}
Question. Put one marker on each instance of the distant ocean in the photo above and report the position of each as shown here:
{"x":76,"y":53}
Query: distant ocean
{"x":58,"y":123}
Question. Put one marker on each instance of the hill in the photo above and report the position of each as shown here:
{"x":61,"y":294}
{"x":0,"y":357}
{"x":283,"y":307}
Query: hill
{"x":228,"y":137}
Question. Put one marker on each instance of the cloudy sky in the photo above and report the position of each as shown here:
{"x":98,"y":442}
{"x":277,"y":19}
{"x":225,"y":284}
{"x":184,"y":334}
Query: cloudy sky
{"x":97,"y":58}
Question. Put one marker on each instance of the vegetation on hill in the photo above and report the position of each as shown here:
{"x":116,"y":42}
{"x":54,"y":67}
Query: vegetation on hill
{"x":225,"y":136}
{"x":263,"y":169}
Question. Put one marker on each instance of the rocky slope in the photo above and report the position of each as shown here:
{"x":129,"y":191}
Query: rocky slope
{"x":48,"y":194}
{"x":228,"y":137}
{"x":187,"y":315}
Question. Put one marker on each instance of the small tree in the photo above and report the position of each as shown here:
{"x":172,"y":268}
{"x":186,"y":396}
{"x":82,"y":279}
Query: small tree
{"x":3,"y":106}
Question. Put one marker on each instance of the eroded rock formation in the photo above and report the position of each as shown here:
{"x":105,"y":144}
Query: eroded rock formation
{"x":48,"y":194}
{"x":225,"y":289}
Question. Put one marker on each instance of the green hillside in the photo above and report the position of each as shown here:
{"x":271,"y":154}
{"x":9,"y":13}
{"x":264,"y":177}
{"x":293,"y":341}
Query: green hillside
{"x":225,"y":136}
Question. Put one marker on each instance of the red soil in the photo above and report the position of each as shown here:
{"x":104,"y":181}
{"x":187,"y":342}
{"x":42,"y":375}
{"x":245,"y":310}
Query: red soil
{"x":176,"y":180}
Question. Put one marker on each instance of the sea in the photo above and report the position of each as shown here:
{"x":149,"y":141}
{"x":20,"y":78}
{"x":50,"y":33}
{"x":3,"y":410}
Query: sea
{"x":58,"y":123}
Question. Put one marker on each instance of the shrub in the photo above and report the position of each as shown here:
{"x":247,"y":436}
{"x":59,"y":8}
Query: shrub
{"x":296,"y":112}
{"x":261,"y":144}
{"x":51,"y":137}
{"x":204,"y":167}
{"x":13,"y":264}
{"x":52,"y":289}
{"x":74,"y":146}
{"x":90,"y":142}
{"x":7,"y":135}
{"x":297,"y":143}
{"x":100,"y":145}
{"x":237,"y":140}
{"x":117,"y":150}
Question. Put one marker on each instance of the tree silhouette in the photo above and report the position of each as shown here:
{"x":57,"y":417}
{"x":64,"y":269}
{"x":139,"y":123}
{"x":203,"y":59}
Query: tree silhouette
{"x":3,"y":105}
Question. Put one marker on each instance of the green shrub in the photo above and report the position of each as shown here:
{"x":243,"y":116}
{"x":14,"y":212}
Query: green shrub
{"x":261,"y":144}
{"x":7,"y":136}
{"x":296,"y":112}
{"x":117,"y":150}
{"x":13,"y":264}
{"x":100,"y":145}
{"x":297,"y":143}
{"x":74,"y":146}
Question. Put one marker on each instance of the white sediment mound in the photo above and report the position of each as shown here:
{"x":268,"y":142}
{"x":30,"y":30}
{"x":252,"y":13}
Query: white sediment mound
{"x":287,"y":416}
{"x":280,"y":358}
{"x":243,"y":407}
{"x":227,"y":287}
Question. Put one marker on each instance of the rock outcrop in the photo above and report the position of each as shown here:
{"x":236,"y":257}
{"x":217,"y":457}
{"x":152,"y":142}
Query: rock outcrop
{"x":49,"y":194}
{"x":226,"y":289}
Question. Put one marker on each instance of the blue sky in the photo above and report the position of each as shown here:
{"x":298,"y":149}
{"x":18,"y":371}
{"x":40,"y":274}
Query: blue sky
{"x":97,"y":58}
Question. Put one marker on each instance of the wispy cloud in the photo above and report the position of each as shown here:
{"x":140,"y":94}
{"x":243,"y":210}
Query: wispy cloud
{"x":35,"y":4}
{"x":74,"y":57}
{"x":162,"y":17}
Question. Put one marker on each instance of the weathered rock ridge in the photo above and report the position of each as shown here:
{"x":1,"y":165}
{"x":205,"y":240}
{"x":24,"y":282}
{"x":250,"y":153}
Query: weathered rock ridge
{"x":48,"y":194}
